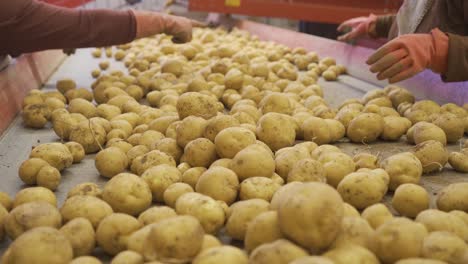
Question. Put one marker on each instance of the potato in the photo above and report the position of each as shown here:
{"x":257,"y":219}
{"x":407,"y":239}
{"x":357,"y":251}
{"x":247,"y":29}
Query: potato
{"x":402,"y":168}
{"x":6,"y":201}
{"x":86,"y":188}
{"x":279,"y":251}
{"x":86,"y":260}
{"x":83,"y":107}
{"x":362,"y":189}
{"x":107,"y":111}
{"x":351,"y":254}
{"x":34,"y":244}
{"x":399,"y":238}
{"x":29,"y":169}
{"x":297,"y":215}
{"x":36,"y":115}
{"x":48,"y":177}
{"x":179,"y":238}
{"x":221,"y":254}
{"x":159,"y":178}
{"x":276,"y":103}
{"x":336,"y":128}
{"x":196,"y":104}
{"x":174,"y":66}
{"x":234,"y":79}
{"x":189,"y":129}
{"x":445,"y":246}
{"x":355,"y":231}
{"x":200,"y":152}
{"x":192,"y":175}
{"x":174,"y":191}
{"x":452,"y":125}
{"x":312,"y":260}
{"x":395,"y":127}
{"x":241,"y":214}
{"x":156,"y":214}
{"x":317,"y":130}
{"x":424,"y":131}
{"x":453,"y":197}
{"x":119,"y":143}
{"x":459,"y":160}
{"x":268,"y":223}
{"x":276,"y":130}
{"x":34,"y":194}
{"x":151,"y":159}
{"x":30,"y":215}
{"x":231,"y":140}
{"x":55,"y":154}
{"x":410,"y":199}
{"x":366,"y":160}
{"x":287,"y":158}
{"x":111,"y":161}
{"x":217,"y":124}
{"x":377,"y":215}
{"x":63,"y":85}
{"x":86,"y":206}
{"x":307,"y":170}
{"x":120,"y":194}
{"x":80,"y":233}
{"x":209,"y":212}
{"x":254,"y":160}
{"x":128,"y":257}
{"x":90,"y":135}
{"x":113,"y":230}
{"x":219,"y":183}
{"x":76,"y":150}
{"x":258,"y":188}
{"x":82,"y":93}
{"x":365,"y":128}
{"x":337,"y":166}
{"x":432,"y":155}
{"x":436,"y":220}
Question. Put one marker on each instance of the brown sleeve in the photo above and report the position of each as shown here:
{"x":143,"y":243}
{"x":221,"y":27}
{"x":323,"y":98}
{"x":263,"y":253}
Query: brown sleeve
{"x":383,"y":25}
{"x":457,"y":67}
{"x":37,"y":26}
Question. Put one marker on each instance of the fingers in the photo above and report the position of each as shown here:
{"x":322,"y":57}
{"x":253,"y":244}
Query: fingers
{"x":348,"y":36}
{"x":408,"y":73}
{"x":387,"y":48}
{"x":388,"y":60}
{"x":342,"y":27}
{"x":395,"y":69}
{"x":198,"y":24}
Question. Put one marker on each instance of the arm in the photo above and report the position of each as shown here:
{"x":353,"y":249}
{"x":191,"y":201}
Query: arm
{"x":457,"y":63}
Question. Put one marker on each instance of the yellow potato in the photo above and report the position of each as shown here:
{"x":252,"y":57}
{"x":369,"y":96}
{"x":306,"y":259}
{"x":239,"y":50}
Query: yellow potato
{"x":268,"y":223}
{"x":174,"y":191}
{"x":453,"y":197}
{"x":219,"y":183}
{"x":276,"y":130}
{"x":86,"y":206}
{"x":432,"y":155}
{"x":410,"y":199}
{"x":279,"y":251}
{"x":231,"y":140}
{"x":377,"y":215}
{"x":111,"y":161}
{"x":402,"y":168}
{"x":113,"y":231}
{"x":81,"y":235}
{"x":155,"y":214}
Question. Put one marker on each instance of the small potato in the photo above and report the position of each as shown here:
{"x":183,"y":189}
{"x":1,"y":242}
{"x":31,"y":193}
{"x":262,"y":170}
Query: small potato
{"x":159,"y":178}
{"x":90,"y":135}
{"x":151,"y":159}
{"x":365,"y":128}
{"x":253,"y":161}
{"x":36,"y":115}
{"x":174,"y":191}
{"x":86,"y":206}
{"x":424,"y":131}
{"x":192,"y":175}
{"x":76,"y":150}
{"x":453,"y":197}
{"x":196,"y":104}
{"x":221,"y":254}
{"x":189,"y":129}
{"x":210,"y":241}
{"x":113,"y":231}
{"x":351,"y":254}
{"x":432,"y":155}
{"x":336,"y":128}
{"x":56,"y":154}
{"x":80,"y":233}
{"x":136,"y":151}
{"x":231,"y":140}
{"x":399,"y":238}
{"x":444,"y":246}
{"x":268,"y":223}
{"x":219,"y":183}
{"x":120,"y":194}
{"x":452,"y":125}
{"x":119,"y":143}
{"x":33,"y":246}
{"x":377,"y":215}
{"x":459,"y":160}
{"x":128,"y":257}
{"x":156,"y":214}
{"x":179,"y":238}
{"x":317,"y":130}
{"x":217,"y":124}
{"x":276,"y":130}
{"x":307,"y":170}
{"x":366,"y":160}
{"x":337,"y":166}
{"x":279,"y":251}
{"x":362,"y":189}
{"x":402,"y":168}
{"x":241,"y":214}
{"x":29,"y":169}
{"x":31,"y":215}
{"x":63,"y":85}
{"x":395,"y":127}
{"x":111,"y":161}
{"x":410,"y":199}
{"x":329,"y":75}
{"x":258,"y":188}
{"x":200,"y":152}
{"x":48,"y":177}
{"x":34,"y":194}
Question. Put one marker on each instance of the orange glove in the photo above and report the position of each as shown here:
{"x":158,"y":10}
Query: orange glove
{"x":408,"y":55}
{"x":151,"y":23}
{"x":360,"y":27}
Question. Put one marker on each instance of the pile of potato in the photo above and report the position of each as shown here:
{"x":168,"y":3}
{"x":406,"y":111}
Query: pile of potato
{"x":230,"y":136}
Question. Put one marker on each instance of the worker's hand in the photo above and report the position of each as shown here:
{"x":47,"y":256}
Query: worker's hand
{"x":408,"y":55}
{"x":359,"y":26}
{"x":151,"y":23}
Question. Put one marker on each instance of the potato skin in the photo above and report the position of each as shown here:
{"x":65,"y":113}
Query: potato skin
{"x":268,"y":223}
{"x":112,"y":231}
{"x":444,"y":246}
{"x":365,"y":128}
{"x":111,"y":161}
{"x":253,"y":161}
{"x":81,"y":235}
{"x":355,"y":231}
{"x":86,"y":260}
{"x":272,"y":130}
{"x":55,"y":154}
{"x":402,"y":168}
{"x":258,"y":187}
{"x":459,"y":160}
{"x":362,"y":189}
{"x":241,"y":214}
{"x":231,"y":140}
{"x":219,"y":183}
{"x":453,"y":197}
{"x":410,"y":199}
{"x":436,"y":220}
{"x":432,"y":154}
{"x":196,"y":104}
{"x":89,"y":207}
{"x":159,"y":178}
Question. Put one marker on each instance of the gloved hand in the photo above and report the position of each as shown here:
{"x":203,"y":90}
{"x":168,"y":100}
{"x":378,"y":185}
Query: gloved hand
{"x":360,"y":27}
{"x":408,"y":55}
{"x":151,"y":23}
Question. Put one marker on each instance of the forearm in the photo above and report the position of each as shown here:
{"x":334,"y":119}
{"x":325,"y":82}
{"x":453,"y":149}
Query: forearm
{"x":40,"y":26}
{"x":457,"y":64}
{"x":383,"y":25}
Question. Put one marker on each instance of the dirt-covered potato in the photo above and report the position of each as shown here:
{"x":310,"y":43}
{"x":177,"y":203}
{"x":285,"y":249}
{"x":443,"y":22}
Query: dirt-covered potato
{"x":174,"y":191}
{"x":192,"y":175}
{"x":36,"y":115}
{"x":337,"y":165}
{"x":30,"y":215}
{"x":453,"y":197}
{"x":76,"y":150}
{"x":111,"y":161}
{"x":208,"y":211}
{"x":366,"y":160}
{"x":297,"y":215}
{"x":268,"y":223}
{"x":365,"y":128}
{"x":80,"y":233}
{"x":128,"y":257}
{"x":159,"y":178}
{"x":89,"y":207}
{"x":351,"y":254}
{"x":452,"y":125}
{"x":363,"y":188}
{"x":424,"y":131}
{"x":86,"y":188}
{"x":120,"y":194}
{"x":279,"y":251}
{"x":459,"y":160}
{"x":179,"y":238}
{"x":219,"y":183}
{"x":241,"y":214}
{"x":90,"y":135}
{"x":55,"y":154}
{"x":86,"y":260}
{"x":221,"y":254}
{"x":399,"y":238}
{"x":151,"y":159}
{"x":39,"y":245}
{"x":395,"y":127}
{"x":113,"y":230}
{"x":445,"y":246}
{"x":63,"y":85}
{"x":258,"y":188}
{"x":432,"y":155}
{"x":231,"y":140}
{"x":402,"y":168}
{"x":307,"y":170}
{"x":276,"y":130}
{"x":196,"y":104}
{"x":410,"y":199}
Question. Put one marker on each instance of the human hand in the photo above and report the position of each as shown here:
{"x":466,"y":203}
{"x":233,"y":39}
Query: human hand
{"x":360,"y":27}
{"x":408,"y":55}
